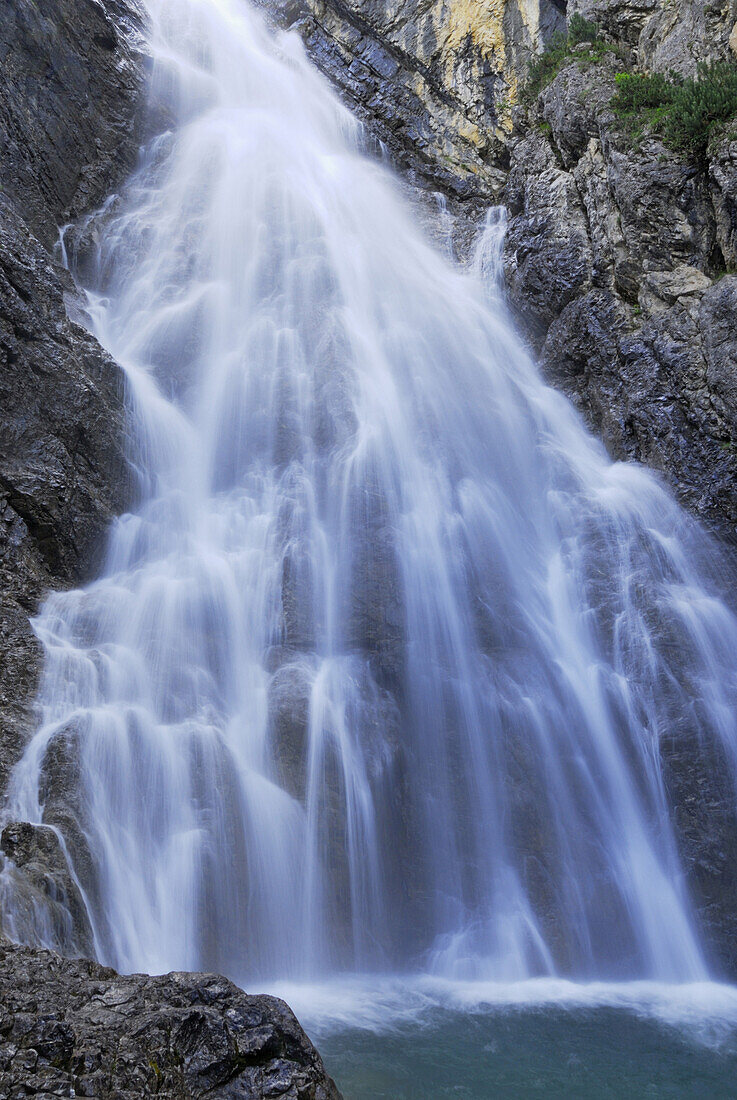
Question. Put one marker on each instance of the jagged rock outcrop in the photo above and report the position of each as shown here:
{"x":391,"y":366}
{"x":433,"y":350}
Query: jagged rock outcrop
{"x":615,"y":260}
{"x":436,"y":81}
{"x":69,"y":1027}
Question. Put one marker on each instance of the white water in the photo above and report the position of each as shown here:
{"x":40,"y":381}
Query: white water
{"x":376,"y":674}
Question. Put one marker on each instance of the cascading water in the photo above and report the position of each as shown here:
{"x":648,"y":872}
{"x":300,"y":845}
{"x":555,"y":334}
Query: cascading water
{"x":376,"y":674}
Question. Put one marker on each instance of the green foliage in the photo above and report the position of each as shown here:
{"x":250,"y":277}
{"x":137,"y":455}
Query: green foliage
{"x":684,"y":112}
{"x":636,"y":93}
{"x":581,"y":30}
{"x":543,"y":68}
{"x":559,"y":50}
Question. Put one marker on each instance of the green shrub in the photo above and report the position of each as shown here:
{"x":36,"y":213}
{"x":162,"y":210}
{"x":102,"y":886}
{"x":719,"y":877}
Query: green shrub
{"x":700,"y":105}
{"x":581,"y":30}
{"x":636,"y":92}
{"x":543,"y":68}
{"x":684,"y":112}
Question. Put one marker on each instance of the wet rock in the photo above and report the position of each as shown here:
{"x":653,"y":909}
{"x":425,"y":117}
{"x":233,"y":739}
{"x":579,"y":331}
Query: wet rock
{"x":289,"y":707}
{"x":74,"y":1028}
{"x":697,"y":778}
{"x":45,"y":896}
{"x":63,"y":474}
{"x":71,"y":76}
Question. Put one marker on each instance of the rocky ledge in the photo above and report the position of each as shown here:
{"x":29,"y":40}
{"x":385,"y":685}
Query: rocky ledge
{"x":69,"y":1027}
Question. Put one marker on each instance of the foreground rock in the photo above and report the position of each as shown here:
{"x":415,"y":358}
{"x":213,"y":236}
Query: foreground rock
{"x":69,"y":1027}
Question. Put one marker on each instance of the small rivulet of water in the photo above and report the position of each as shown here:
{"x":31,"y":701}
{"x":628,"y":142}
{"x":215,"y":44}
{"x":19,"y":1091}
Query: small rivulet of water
{"x":377,"y":672}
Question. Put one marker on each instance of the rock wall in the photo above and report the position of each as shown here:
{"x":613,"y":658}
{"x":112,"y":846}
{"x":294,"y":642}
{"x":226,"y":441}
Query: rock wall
{"x":615,"y":261}
{"x":436,"y":79}
{"x":71,"y":77}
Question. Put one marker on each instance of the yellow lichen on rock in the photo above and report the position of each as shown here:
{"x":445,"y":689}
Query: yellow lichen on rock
{"x":480,"y":23}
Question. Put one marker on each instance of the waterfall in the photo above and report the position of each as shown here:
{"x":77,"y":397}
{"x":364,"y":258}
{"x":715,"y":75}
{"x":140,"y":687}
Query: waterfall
{"x":378,"y":670}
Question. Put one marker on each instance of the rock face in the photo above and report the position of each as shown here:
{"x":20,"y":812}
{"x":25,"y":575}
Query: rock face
{"x":72,"y":74}
{"x":436,"y":81}
{"x":73,"y":1028}
{"x":71,"y":77}
{"x":615,"y":262}
{"x":618,"y":261}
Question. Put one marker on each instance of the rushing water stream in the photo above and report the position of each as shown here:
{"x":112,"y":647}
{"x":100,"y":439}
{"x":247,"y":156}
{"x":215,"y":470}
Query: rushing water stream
{"x":376,"y":673}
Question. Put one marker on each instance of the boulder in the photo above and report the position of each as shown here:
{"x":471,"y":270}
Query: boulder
{"x":69,"y":1027}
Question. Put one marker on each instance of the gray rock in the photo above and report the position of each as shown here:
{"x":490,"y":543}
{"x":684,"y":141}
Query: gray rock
{"x":71,"y":77}
{"x":718,"y":325}
{"x":72,"y":72}
{"x":548,"y":258}
{"x":683,"y":33}
{"x":46,"y":898}
{"x":436,"y":83}
{"x":723,"y":181}
{"x":74,"y":1028}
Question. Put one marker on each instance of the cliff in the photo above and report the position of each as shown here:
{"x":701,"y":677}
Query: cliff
{"x":435,"y":81}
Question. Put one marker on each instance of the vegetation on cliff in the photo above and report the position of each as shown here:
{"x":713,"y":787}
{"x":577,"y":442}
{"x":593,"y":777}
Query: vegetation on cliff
{"x":684,"y":112}
{"x":563,"y":48}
